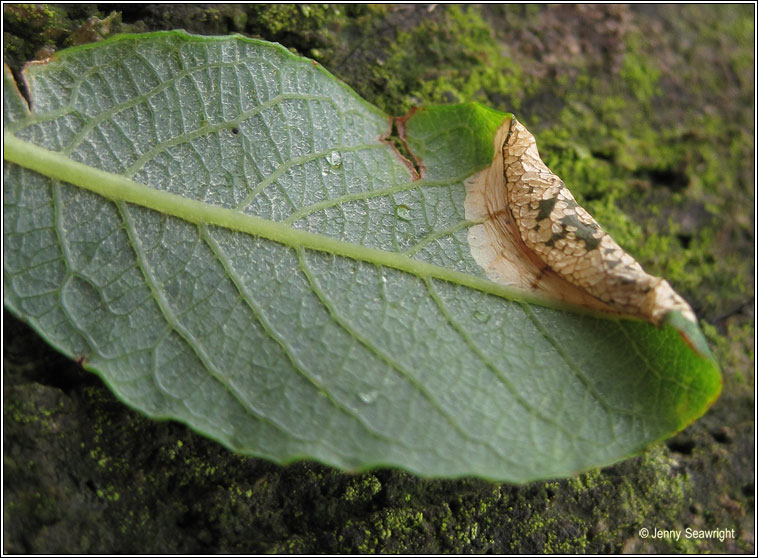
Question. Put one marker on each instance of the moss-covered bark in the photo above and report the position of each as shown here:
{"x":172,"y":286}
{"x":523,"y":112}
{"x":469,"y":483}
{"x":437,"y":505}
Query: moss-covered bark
{"x":647,"y":115}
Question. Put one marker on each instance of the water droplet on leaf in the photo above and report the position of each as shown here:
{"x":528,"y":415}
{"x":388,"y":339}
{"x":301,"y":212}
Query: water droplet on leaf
{"x":403,"y":212}
{"x":368,"y":396}
{"x":481,"y":316}
{"x":334,"y":159}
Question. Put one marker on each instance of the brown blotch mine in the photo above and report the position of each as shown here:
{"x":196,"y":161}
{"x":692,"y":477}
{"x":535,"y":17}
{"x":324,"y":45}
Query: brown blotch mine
{"x":524,"y":210}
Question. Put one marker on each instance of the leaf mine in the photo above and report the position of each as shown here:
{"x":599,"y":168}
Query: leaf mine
{"x":535,"y":236}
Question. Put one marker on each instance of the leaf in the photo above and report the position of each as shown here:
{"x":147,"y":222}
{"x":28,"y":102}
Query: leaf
{"x":217,"y":228}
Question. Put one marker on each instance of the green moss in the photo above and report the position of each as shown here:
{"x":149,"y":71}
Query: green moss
{"x":278,"y":19}
{"x":47,"y":20}
{"x":29,"y":27}
{"x":735,"y":348}
{"x":473,"y":68}
{"x":446,"y":58}
{"x":362,"y":489}
{"x":391,"y":531}
{"x":39,"y":411}
{"x":640,"y":71}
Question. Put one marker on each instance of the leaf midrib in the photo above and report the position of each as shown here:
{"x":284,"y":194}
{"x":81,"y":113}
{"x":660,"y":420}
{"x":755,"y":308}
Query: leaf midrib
{"x":119,"y":188}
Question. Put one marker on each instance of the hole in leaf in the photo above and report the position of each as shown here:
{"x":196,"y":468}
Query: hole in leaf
{"x":395,"y":139}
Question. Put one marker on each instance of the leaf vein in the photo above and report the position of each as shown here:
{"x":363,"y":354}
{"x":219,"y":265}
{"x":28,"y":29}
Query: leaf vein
{"x":298,"y":366}
{"x":173,"y":322}
{"x":436,"y":235}
{"x":491,"y":367}
{"x":610,"y":409}
{"x":390,"y":362}
{"x":366,"y":195}
{"x":650,"y":366}
{"x":294,"y":162}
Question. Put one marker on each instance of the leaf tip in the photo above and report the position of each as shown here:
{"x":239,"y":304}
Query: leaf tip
{"x":689,"y":332}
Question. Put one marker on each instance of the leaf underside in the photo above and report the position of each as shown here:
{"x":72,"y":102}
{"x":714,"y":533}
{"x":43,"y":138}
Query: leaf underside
{"x":320,"y":348}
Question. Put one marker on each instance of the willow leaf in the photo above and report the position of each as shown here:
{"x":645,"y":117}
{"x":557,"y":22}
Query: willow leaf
{"x":219,"y":229}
